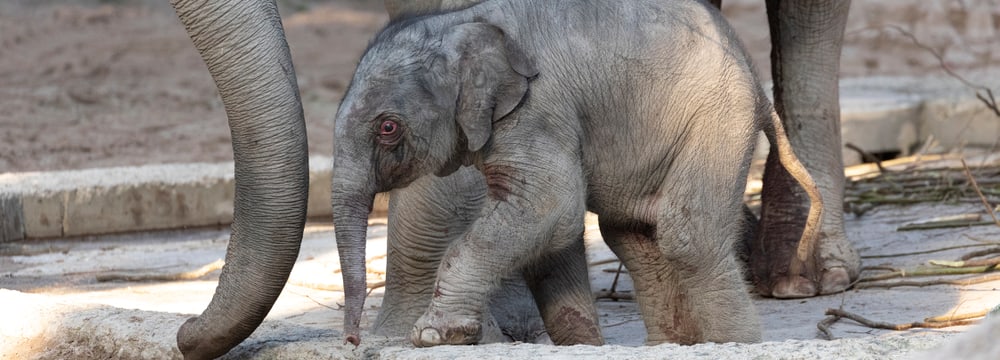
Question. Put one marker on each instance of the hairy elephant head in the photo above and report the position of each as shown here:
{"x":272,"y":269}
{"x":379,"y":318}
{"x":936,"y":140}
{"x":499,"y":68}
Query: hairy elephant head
{"x":422,"y":101}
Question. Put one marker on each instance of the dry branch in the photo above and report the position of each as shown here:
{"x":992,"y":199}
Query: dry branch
{"x":979,"y":253}
{"x":897,"y":327}
{"x":993,"y":261}
{"x":957,"y":317}
{"x":913,"y":186}
{"x":880,"y":256}
{"x":927,"y":271}
{"x":972,"y":180}
{"x":961,"y":282}
{"x":825,"y":324}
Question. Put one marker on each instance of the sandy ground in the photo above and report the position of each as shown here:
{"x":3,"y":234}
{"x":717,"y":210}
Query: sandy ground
{"x":101,"y":83}
{"x":66,"y":271}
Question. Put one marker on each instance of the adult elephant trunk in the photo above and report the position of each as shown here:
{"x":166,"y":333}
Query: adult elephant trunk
{"x":243,"y":44}
{"x":352,"y":198}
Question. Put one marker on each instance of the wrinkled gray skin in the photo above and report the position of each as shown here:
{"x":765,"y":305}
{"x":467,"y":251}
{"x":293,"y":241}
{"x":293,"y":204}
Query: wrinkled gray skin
{"x":257,"y":84}
{"x":243,"y":44}
{"x":563,"y":107}
{"x":425,"y":218}
{"x":806,"y":39}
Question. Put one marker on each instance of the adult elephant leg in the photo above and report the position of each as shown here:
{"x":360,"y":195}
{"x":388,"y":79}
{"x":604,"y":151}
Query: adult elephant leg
{"x":243,"y":44}
{"x":806,"y":38}
{"x":561,"y":286}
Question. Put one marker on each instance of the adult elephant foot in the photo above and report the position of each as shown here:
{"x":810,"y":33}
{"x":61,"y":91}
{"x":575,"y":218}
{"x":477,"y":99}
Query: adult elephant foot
{"x":841,"y":264}
{"x":837,"y":263}
{"x":838,"y":267}
{"x":834,"y":263}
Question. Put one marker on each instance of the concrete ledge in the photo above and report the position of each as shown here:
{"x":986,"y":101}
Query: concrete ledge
{"x":150,"y":197}
{"x":883,"y":114}
{"x":878,"y":115}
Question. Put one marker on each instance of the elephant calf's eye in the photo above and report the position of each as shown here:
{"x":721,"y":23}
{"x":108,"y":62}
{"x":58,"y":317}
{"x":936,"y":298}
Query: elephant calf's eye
{"x":388,"y":132}
{"x":388,"y":127}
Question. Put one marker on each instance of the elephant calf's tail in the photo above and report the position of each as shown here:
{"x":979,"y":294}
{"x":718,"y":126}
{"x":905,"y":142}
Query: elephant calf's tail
{"x":810,"y":235}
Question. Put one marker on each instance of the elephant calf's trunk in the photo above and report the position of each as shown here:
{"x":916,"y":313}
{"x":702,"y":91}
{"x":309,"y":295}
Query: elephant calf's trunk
{"x":350,"y":224}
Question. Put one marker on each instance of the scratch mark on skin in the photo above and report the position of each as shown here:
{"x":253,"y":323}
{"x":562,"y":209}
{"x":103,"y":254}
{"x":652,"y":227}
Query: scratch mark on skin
{"x":498,"y":180}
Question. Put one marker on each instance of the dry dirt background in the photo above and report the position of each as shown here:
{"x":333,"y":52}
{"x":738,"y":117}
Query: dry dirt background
{"x":117,"y":82}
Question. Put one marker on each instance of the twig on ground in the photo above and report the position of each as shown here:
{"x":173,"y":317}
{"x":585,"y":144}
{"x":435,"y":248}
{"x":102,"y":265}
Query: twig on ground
{"x":879,"y":256}
{"x":825,"y":324}
{"x":927,"y":271}
{"x":961,"y":282}
{"x":978,"y":253}
{"x":878,"y":268}
{"x":943,"y":225}
{"x":187,"y":275}
{"x":925,"y":185}
{"x":975,"y":186}
{"x":897,"y":327}
{"x":993,"y":261}
{"x":958,"y":317}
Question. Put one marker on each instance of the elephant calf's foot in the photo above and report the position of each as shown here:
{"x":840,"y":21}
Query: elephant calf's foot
{"x":438,"y":328}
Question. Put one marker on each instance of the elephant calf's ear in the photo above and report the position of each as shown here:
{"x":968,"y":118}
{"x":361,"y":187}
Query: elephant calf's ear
{"x":492,"y":75}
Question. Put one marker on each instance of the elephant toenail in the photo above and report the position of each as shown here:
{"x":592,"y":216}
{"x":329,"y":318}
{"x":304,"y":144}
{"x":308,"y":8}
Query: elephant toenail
{"x":429,"y":336}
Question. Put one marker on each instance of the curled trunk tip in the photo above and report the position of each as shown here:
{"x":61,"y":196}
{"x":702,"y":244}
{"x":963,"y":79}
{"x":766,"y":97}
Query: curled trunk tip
{"x":354,"y":339}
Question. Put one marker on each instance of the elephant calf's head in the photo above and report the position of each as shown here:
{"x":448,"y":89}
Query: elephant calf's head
{"x":421,"y":99}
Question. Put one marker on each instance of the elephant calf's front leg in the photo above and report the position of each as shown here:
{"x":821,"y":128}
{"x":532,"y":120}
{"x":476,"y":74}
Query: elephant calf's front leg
{"x":527,"y":213}
{"x":424,"y":219}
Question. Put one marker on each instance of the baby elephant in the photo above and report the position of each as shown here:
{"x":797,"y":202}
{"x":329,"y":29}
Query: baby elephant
{"x":644,"y":112}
